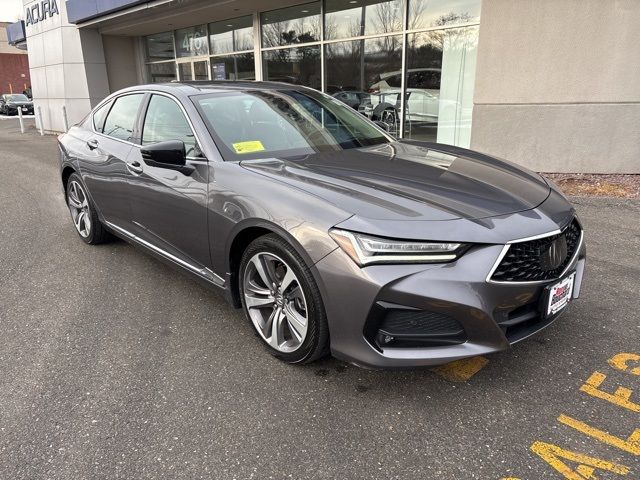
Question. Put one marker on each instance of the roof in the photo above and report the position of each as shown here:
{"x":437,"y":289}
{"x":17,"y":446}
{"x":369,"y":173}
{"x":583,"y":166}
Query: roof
{"x":204,"y":86}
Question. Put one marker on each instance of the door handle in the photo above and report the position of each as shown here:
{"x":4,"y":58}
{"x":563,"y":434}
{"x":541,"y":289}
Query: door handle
{"x":92,"y":144}
{"x":135,"y":166}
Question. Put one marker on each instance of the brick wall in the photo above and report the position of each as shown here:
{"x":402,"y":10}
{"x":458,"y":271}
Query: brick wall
{"x":14,"y":70}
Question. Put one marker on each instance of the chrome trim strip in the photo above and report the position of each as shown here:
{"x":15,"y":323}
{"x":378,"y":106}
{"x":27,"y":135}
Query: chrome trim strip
{"x":505,"y":249}
{"x":205,"y":273}
{"x":536,"y":237}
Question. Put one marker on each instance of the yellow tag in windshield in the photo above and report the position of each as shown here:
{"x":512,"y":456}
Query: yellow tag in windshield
{"x":248,"y":147}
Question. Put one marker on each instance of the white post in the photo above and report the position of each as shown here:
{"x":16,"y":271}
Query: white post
{"x":65,"y":122}
{"x":40,"y":120}
{"x":20,"y":119}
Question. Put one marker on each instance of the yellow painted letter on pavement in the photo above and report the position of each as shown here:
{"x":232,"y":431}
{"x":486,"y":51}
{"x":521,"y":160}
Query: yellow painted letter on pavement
{"x":555,"y":455}
{"x":631,"y":444}
{"x":622,"y":360}
{"x":621,"y":397}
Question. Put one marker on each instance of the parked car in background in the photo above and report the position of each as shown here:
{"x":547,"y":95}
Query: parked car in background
{"x":10,"y":103}
{"x":329,"y":233}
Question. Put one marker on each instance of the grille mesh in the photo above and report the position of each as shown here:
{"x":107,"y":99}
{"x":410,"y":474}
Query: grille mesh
{"x":419,"y":322}
{"x":523,"y":262}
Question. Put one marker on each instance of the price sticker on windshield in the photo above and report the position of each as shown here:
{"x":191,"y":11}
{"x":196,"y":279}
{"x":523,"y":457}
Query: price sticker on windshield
{"x":248,"y":147}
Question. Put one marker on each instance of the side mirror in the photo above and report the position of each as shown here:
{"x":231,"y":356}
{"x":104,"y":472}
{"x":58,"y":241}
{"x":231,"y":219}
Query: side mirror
{"x":169,"y":154}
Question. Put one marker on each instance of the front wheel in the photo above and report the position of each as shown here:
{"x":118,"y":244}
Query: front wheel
{"x":281,"y":299}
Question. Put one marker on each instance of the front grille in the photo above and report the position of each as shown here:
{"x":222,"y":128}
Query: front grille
{"x":532,"y":261}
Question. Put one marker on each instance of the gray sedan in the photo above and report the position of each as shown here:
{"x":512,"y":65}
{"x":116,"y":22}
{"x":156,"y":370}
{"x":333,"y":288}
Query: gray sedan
{"x":331,"y":235}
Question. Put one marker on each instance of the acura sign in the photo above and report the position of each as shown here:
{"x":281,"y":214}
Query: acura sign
{"x":41,"y":11}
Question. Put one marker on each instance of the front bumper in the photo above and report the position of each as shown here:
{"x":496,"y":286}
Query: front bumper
{"x":493,"y":315}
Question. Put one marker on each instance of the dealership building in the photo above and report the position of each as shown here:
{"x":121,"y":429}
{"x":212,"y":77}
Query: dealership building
{"x":550,"y":84}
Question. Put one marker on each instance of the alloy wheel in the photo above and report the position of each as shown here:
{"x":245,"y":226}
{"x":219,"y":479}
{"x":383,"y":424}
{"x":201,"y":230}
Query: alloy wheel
{"x":79,"y":207}
{"x":275,"y":302}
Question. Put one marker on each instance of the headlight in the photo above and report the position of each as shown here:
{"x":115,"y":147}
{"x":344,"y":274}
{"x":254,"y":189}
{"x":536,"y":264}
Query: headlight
{"x":366,"y":249}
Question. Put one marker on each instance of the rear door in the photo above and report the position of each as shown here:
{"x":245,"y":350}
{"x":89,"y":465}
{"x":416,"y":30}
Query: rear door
{"x":171,"y":206}
{"x":102,"y":153}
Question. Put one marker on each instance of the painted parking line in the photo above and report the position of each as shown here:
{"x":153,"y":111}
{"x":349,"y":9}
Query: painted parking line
{"x":577,"y":465}
{"x":461,"y":370}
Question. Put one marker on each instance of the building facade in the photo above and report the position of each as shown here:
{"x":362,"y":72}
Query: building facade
{"x":550,"y":84}
{"x":14,"y":65}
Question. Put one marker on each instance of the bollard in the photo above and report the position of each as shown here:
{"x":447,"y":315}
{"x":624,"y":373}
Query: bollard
{"x":21,"y":120}
{"x":65,"y":122}
{"x":40,"y":120}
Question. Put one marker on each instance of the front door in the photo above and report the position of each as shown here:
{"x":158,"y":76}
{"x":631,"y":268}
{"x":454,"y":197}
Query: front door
{"x":168,"y":206}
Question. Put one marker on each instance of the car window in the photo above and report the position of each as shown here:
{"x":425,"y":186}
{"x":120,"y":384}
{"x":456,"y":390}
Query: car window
{"x":166,"y":121}
{"x":17,"y":97}
{"x":283,"y":123}
{"x":394,"y":81}
{"x":99,"y":116}
{"x":122,"y":117}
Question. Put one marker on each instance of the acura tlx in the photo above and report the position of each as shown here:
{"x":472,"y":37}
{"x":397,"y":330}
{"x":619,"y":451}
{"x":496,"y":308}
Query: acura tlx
{"x":331,"y":234}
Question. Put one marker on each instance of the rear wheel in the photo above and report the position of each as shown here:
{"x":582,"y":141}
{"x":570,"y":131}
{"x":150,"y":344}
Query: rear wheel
{"x":83,"y":212}
{"x":281,"y":299}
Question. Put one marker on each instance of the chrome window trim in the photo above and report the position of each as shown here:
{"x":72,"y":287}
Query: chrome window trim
{"x":506,"y":247}
{"x":205,"y":273}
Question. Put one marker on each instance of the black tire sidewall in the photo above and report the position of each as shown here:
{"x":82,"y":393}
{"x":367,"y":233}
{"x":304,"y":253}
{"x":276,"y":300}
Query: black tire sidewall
{"x":317,"y":332}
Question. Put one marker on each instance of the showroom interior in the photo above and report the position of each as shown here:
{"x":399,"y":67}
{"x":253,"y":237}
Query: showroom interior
{"x":498,"y":76}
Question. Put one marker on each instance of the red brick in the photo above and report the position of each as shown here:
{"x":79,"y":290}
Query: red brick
{"x":12,"y":67}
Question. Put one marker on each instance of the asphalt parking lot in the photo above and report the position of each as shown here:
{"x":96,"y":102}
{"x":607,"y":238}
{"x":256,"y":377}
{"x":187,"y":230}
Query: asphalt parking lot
{"x":113,"y":365}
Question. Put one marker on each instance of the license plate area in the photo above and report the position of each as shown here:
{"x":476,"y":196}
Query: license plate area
{"x":558,"y":296}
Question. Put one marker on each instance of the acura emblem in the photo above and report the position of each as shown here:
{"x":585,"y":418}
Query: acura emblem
{"x":555,"y":254}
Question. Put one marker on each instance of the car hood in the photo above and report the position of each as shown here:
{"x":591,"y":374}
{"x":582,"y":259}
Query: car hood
{"x":20,"y":104}
{"x":410,"y":181}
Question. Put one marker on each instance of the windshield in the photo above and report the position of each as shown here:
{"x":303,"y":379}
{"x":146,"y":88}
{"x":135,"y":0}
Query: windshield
{"x":280,"y":123}
{"x":18,"y":97}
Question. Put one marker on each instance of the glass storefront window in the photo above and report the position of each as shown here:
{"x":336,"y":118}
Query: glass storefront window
{"x":201,"y":70}
{"x":292,"y":25}
{"x":185,"y":71}
{"x":159,"y":46}
{"x":233,"y":67}
{"x":192,"y":41}
{"x":162,"y":72}
{"x":231,"y":35}
{"x":364,"y":70}
{"x":363,"y":51}
{"x":352,"y":18}
{"x":300,"y":66}
{"x":441,"y":67}
{"x":441,"y":13}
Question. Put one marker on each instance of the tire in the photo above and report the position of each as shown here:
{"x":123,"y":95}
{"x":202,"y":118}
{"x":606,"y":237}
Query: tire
{"x":83,"y":212}
{"x":279,"y":259}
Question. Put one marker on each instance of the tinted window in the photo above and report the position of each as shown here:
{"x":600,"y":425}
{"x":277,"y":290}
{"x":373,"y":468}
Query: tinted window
{"x":231,"y":35}
{"x":98,"y":117}
{"x":166,"y":121}
{"x":122,"y":117}
{"x":159,"y":46}
{"x":439,"y":13}
{"x":192,"y":41}
{"x":349,"y":18}
{"x":300,"y":66}
{"x":288,"y":26}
